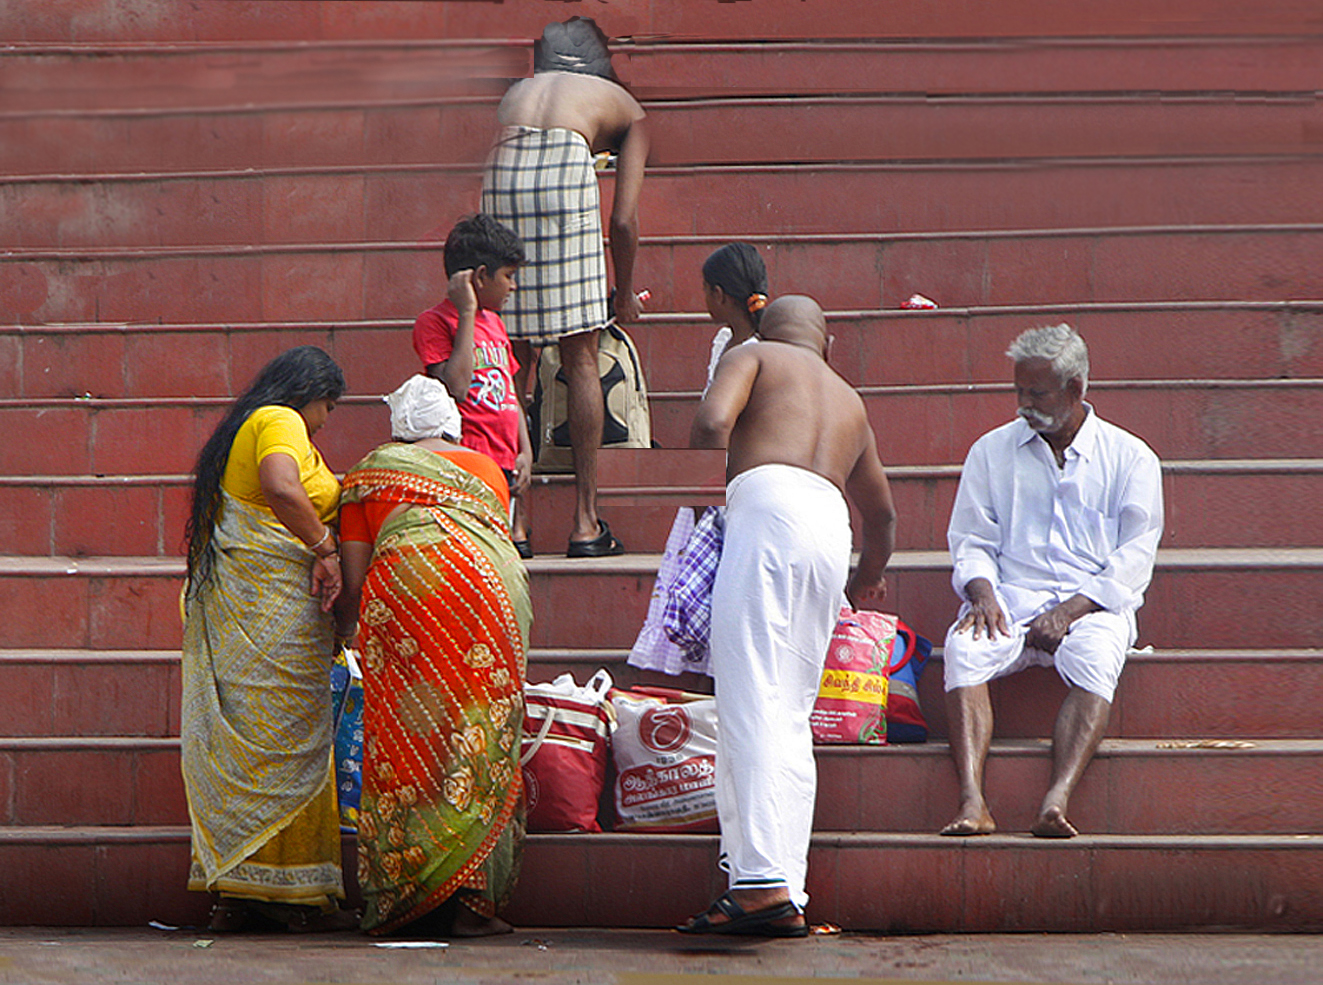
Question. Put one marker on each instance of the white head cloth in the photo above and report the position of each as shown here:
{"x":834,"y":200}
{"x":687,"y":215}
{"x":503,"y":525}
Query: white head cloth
{"x":423,"y":408}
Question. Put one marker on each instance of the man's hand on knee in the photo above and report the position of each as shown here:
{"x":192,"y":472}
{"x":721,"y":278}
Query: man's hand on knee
{"x":984,"y":615}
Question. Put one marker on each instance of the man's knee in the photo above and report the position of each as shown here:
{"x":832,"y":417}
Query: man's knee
{"x":578,"y":356}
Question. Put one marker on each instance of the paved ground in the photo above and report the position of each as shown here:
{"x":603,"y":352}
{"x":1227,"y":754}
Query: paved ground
{"x":35,"y":956}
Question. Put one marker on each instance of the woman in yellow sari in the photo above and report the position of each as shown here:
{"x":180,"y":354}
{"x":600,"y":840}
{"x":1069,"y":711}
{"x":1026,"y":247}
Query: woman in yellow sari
{"x":441,"y":599}
{"x":263,"y":572}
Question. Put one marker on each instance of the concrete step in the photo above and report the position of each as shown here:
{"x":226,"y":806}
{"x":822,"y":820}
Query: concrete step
{"x":1198,"y":339}
{"x":1180,"y":419}
{"x":350,"y":129}
{"x":1200,"y":598}
{"x":1226,"y":694}
{"x":347,"y":283}
{"x":200,"y":74}
{"x":113,"y":876}
{"x":45,"y":515}
{"x":1134,"y":787}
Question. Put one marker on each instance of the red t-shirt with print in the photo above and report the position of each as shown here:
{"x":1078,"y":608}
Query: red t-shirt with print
{"x":490,"y":412}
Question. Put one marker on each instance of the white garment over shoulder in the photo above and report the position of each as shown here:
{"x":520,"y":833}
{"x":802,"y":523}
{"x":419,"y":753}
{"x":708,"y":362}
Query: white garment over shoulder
{"x":719,"y":343}
{"x":1041,"y":534}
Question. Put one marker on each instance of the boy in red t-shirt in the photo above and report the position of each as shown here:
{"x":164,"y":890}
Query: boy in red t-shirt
{"x":462,"y":342}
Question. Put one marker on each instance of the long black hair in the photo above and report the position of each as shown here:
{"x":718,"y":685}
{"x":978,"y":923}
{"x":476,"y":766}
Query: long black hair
{"x":293,"y":379}
{"x":738,"y":269}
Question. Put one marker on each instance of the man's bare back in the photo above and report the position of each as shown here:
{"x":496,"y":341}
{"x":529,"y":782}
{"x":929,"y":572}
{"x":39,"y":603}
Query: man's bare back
{"x":782,"y":404}
{"x":597,"y":108}
{"x":779,"y":403}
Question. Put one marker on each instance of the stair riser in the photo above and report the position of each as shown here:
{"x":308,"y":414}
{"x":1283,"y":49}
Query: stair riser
{"x":872,"y":349}
{"x":1240,"y":698}
{"x":822,"y":130}
{"x":585,"y":882}
{"x":317,"y":284}
{"x":136,"y":79}
{"x":90,"y":699}
{"x":43,"y":520}
{"x":864,"y":887}
{"x":1179,"y":423}
{"x":310,"y":20}
{"x":1185,"y":609}
{"x":893,"y":790}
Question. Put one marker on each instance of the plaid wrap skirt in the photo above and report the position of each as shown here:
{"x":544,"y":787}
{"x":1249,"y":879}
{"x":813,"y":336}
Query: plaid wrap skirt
{"x":542,"y":184}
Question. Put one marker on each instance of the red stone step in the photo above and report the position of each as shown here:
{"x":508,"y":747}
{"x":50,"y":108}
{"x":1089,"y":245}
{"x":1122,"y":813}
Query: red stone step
{"x":218,"y":73}
{"x":1199,"y":339}
{"x":315,"y":202}
{"x":1230,"y":694}
{"x":906,"y":126}
{"x":318,"y":20}
{"x":1242,"y":694}
{"x":89,"y":693}
{"x":1133,"y":787}
{"x":120,"y":76}
{"x":350,"y":282}
{"x":110,"y":876}
{"x":1183,"y":419}
{"x":1179,"y":419}
{"x":1199,"y":598}
{"x":54,"y":516}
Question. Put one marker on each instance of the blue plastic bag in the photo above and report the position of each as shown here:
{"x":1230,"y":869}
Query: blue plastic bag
{"x":347,"y":733}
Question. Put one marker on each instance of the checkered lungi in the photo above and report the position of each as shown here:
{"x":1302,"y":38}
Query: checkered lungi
{"x":541,"y":183}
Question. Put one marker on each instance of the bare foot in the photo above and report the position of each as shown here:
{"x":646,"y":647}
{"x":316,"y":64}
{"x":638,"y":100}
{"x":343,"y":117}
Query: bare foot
{"x":973,"y":819}
{"x":1052,"y":823}
{"x":470,"y":924}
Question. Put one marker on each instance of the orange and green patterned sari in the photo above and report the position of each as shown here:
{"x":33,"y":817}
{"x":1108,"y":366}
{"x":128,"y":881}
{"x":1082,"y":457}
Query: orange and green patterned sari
{"x":444,"y":636}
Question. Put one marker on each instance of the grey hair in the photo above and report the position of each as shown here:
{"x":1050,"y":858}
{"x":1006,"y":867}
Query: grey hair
{"x":1060,"y":345}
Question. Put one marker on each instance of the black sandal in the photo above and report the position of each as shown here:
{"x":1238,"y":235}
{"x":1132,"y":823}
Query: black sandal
{"x":741,"y":922}
{"x":603,"y":545}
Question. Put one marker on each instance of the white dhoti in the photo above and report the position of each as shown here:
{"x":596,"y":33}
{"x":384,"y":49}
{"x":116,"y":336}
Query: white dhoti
{"x":777,"y":596}
{"x":1090,"y":656}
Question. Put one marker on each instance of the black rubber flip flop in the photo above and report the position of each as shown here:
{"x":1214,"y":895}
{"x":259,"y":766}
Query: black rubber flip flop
{"x":741,"y":923}
{"x":603,"y":545}
{"x":524,"y":547}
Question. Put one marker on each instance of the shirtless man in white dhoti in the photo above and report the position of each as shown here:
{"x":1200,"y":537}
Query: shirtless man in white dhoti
{"x":797,"y":438}
{"x":1053,"y":536}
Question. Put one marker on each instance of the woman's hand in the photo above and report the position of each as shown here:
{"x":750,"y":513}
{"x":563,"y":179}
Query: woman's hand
{"x":326,"y":580}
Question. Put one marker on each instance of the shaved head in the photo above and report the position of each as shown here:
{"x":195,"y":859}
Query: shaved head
{"x":795,"y":318}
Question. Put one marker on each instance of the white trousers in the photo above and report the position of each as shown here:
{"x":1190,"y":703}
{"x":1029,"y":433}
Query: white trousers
{"x":777,"y":596}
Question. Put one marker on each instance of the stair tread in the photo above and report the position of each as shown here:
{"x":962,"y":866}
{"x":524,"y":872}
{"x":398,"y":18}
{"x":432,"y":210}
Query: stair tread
{"x":75,"y":834}
{"x":645,"y":564}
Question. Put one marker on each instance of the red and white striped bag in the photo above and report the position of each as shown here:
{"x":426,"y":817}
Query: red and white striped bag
{"x":567,"y":731}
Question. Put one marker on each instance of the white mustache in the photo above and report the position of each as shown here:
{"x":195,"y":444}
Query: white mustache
{"x":1036,"y":417}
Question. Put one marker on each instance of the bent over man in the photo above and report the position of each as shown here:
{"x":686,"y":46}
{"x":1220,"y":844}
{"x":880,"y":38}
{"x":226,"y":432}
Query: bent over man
{"x":540,"y":181}
{"x":797,"y":438}
{"x":1053,"y":536}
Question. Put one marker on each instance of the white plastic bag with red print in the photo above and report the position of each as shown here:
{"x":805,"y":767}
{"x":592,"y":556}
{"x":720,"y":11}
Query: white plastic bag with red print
{"x":665,"y":751}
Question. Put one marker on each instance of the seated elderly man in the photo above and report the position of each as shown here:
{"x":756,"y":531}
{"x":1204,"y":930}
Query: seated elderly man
{"x":1053,"y":536}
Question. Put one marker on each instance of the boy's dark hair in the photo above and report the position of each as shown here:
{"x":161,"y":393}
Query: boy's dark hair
{"x":576,"y":45}
{"x":481,"y":241}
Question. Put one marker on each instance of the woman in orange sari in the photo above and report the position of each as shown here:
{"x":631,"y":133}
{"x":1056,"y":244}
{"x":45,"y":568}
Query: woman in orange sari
{"x":440,"y":596}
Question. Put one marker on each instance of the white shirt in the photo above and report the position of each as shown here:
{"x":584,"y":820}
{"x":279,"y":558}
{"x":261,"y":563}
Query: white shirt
{"x":1041,"y":534}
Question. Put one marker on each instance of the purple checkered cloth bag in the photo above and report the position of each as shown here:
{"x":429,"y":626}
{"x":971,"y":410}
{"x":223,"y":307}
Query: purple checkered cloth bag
{"x":687,"y":617}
